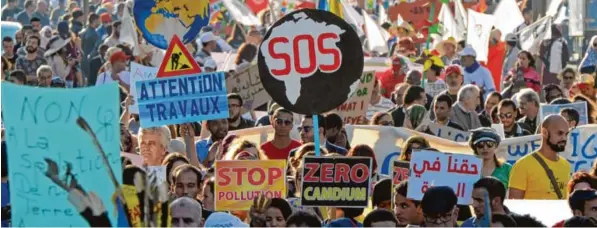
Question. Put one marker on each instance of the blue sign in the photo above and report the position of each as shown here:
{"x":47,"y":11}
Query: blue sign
{"x":184,"y":99}
{"x":581,"y":107}
{"x":51,"y":147}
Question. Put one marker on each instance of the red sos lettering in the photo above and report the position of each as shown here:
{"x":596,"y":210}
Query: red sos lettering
{"x":315,"y":45}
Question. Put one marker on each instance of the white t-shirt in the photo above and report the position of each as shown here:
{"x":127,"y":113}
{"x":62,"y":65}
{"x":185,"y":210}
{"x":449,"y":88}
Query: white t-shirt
{"x":106,"y":77}
{"x":383,"y":105}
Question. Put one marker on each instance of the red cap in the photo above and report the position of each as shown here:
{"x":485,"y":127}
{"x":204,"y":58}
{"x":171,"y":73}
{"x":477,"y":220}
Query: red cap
{"x":105,"y":18}
{"x":453,"y":69}
{"x":118,"y":56}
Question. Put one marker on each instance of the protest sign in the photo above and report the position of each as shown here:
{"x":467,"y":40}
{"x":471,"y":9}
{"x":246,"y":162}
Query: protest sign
{"x":430,"y":168}
{"x":51,"y":135}
{"x":433,"y":89}
{"x":446,"y":132}
{"x":478,"y":32}
{"x":309,"y":55}
{"x":533,"y":35}
{"x":177,"y":61}
{"x":401,"y":172}
{"x":239,"y":182}
{"x":581,"y":107}
{"x":247,"y":84}
{"x":184,"y":99}
{"x":224,"y":60}
{"x":336,"y":181}
{"x":354,"y":110}
{"x":139,"y":73}
{"x":131,"y":199}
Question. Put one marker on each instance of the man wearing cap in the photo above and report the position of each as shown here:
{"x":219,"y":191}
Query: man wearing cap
{"x":106,"y":20}
{"x":208,"y":45}
{"x":583,"y":202}
{"x":543,"y":174}
{"x":439,"y":207}
{"x":117,"y":72}
{"x":474,"y":73}
{"x":447,"y":50}
{"x":512,"y":50}
{"x":114,"y":38}
{"x":393,"y":76}
{"x":186,"y":212}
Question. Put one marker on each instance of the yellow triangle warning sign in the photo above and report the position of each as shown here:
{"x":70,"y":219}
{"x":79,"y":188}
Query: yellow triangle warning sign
{"x":177,"y":61}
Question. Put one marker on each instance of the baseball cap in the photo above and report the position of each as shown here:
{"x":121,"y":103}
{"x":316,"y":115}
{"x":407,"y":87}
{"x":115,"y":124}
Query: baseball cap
{"x":438,"y":200}
{"x":453,"y":69}
{"x":579,"y":196}
{"x":207,"y":37}
{"x":468,"y":51}
{"x":105,"y":18}
{"x":118,"y":56}
{"x":483,"y":134}
{"x":221,"y":219}
{"x":511,"y":37}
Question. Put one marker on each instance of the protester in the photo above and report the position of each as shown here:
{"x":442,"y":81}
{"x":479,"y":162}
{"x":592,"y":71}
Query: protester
{"x":439,"y":207}
{"x":442,"y":107}
{"x":583,"y":202}
{"x":282,"y":144}
{"x":117,"y":72}
{"x":581,"y":180}
{"x":172,"y":161}
{"x":554,"y":54}
{"x":527,"y":13}
{"x":186,"y":212}
{"x":378,"y":102}
{"x":63,"y":63}
{"x":366,"y":151}
{"x":208,"y":44}
{"x":567,"y":79}
{"x":447,"y":50}
{"x":454,"y":80}
{"x":222,"y":219}
{"x":588,"y":65}
{"x":552,"y":92}
{"x":511,"y":55}
{"x":10,"y":10}
{"x":24,"y":16}
{"x":508,"y":114}
{"x":407,"y":211}
{"x":496,"y":192}
{"x":303,"y":219}
{"x":114,"y":38}
{"x":528,"y":178}
{"x":463,"y":112}
{"x":380,"y":218}
{"x":277,"y":213}
{"x":522,"y":75}
{"x":492,"y":101}
{"x":398,"y":94}
{"x":485,"y":142}
{"x":244,"y":150}
{"x":235,"y":107}
{"x":412,"y":143}
{"x":153,"y":143}
{"x":8,"y":49}
{"x":333,"y":129}
{"x":218,"y":129}
{"x":345,"y":217}
{"x":29,"y":63}
{"x":18,"y":77}
{"x":414,"y":95}
{"x":186,"y":181}
{"x":474,"y":73}
{"x":307,"y":133}
{"x":495,"y":58}
{"x":528,"y":103}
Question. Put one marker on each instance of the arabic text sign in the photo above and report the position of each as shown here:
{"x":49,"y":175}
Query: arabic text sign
{"x":446,"y":132}
{"x":239,"y":182}
{"x":354,"y":110}
{"x":247,"y":84}
{"x":336,"y":181}
{"x":581,"y":107}
{"x":42,"y":124}
{"x":430,"y":168}
{"x":139,"y":73}
{"x":176,"y":100}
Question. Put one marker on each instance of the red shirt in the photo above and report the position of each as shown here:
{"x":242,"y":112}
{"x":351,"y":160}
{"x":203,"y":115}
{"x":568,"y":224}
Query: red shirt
{"x":388,"y":81}
{"x":273,"y":152}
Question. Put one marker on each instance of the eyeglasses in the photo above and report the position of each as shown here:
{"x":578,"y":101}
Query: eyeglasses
{"x":506,"y":115}
{"x":485,"y":144}
{"x":569,"y":78}
{"x":283,"y":121}
{"x":386,"y":123}
{"x":307,"y":129}
{"x":440,"y":219}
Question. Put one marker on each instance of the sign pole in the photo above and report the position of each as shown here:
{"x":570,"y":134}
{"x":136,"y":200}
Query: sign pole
{"x":316,"y":134}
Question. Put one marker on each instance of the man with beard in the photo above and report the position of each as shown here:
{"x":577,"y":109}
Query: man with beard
{"x":507,"y":114}
{"x":218,"y":130}
{"x":30,"y":62}
{"x":280,"y":147}
{"x":307,"y":133}
{"x":496,"y":191}
{"x":543,"y":174}
{"x":114,"y":38}
{"x":235,"y":107}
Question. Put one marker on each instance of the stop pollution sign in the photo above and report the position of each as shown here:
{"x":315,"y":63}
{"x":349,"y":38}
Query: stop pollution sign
{"x":310,"y":61}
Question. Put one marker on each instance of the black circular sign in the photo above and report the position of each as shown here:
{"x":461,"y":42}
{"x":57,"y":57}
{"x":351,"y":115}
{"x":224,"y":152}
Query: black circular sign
{"x":310,"y":60}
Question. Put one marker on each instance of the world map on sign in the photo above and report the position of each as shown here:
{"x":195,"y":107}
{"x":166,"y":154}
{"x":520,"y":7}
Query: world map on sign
{"x":160,"y":20}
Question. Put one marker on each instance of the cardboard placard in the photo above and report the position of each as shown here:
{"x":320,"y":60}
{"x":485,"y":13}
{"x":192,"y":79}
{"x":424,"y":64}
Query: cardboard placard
{"x":401,"y":172}
{"x":336,"y":181}
{"x":239,"y":182}
{"x":581,"y":107}
{"x":309,"y":55}
{"x":139,"y":73}
{"x":430,"y":168}
{"x":354,"y":110}
{"x":247,"y":84}
{"x":184,"y":99}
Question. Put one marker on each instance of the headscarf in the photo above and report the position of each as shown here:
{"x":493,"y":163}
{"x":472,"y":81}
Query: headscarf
{"x":43,"y":40}
{"x":416,"y":113}
{"x":590,"y":58}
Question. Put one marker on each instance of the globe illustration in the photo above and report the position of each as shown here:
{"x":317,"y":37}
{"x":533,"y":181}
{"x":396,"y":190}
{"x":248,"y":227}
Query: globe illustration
{"x":160,"y":20}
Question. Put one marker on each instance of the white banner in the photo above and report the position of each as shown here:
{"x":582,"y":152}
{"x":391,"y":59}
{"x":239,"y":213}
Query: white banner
{"x":375,"y":40}
{"x":479,"y":29}
{"x":139,"y":73}
{"x":449,"y":26}
{"x":508,"y":11}
{"x":532,"y":35}
{"x":241,"y":13}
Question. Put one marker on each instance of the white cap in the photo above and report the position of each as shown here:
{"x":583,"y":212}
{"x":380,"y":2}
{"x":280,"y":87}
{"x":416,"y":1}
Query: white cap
{"x":221,"y":219}
{"x":207,"y":37}
{"x":209,"y":62}
{"x":468,"y":51}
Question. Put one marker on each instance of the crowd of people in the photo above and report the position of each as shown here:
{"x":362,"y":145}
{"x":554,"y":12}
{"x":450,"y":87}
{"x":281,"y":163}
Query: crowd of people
{"x":58,"y":46}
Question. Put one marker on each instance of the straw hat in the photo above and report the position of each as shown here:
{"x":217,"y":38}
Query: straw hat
{"x":440,"y":46}
{"x":56,"y":45}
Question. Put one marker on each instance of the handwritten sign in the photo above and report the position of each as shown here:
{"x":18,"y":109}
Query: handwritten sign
{"x":433,"y":89}
{"x":247,"y":84}
{"x":401,"y":172}
{"x":42,"y":130}
{"x":239,"y":182}
{"x":581,"y":107}
{"x":446,"y":132}
{"x":430,"y":168}
{"x":354,"y":110}
{"x":139,"y":73}
{"x":184,"y":99}
{"x":336,"y":181}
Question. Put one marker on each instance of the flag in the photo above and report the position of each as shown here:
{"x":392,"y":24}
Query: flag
{"x":478,"y":32}
{"x":128,"y":31}
{"x":353,"y":18}
{"x":460,"y":15}
{"x":553,"y":9}
{"x":323,"y":5}
{"x":375,"y":39}
{"x":382,"y":15}
{"x":531,"y":36}
{"x":257,"y":5}
{"x":449,"y":26}
{"x":508,"y":9}
{"x":335,"y":6}
{"x":241,"y":13}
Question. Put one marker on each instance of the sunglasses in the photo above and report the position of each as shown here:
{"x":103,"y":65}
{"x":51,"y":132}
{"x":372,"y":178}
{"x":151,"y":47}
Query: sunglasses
{"x":506,"y":115}
{"x":307,"y":129}
{"x":283,"y":121}
{"x":485,"y":144}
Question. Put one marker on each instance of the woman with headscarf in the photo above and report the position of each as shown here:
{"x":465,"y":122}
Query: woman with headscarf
{"x":588,"y":65}
{"x":485,"y":142}
{"x":414,"y":116}
{"x":555,"y":55}
{"x":44,"y":37}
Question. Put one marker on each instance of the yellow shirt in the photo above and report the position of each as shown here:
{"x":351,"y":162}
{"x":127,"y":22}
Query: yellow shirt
{"x":528,"y":175}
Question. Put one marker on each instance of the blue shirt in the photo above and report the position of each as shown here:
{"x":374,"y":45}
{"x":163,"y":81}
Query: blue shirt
{"x":202,"y":147}
{"x":471,"y":222}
